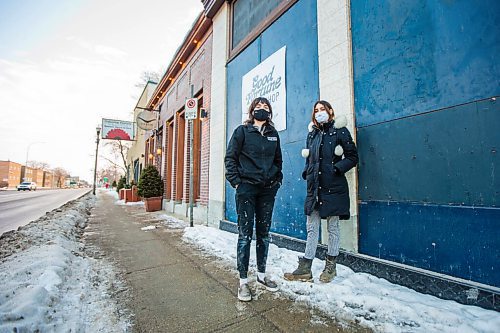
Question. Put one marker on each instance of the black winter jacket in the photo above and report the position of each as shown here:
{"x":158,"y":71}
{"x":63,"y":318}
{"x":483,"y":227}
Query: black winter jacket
{"x":254,"y":158}
{"x":326,"y":164}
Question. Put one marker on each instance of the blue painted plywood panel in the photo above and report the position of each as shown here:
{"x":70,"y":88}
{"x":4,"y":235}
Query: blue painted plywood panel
{"x":416,"y":56}
{"x":450,"y":156}
{"x":457,"y":241}
{"x":298,"y":31}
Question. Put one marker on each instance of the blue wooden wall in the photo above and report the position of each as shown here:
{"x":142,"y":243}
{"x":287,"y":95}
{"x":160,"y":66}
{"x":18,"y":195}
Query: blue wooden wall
{"x":297,"y":29}
{"x":425,"y":77}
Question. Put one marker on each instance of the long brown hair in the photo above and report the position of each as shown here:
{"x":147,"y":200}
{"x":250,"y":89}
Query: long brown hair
{"x":329,"y":109}
{"x":252,"y":106}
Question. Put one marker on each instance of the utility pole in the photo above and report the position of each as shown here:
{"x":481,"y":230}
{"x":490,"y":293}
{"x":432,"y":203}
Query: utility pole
{"x":191,"y":165}
{"x":27,"y":153}
{"x":98,"y":130}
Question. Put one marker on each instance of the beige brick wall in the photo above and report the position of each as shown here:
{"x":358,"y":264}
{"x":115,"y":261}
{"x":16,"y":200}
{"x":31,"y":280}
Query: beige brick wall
{"x":336,"y":86}
{"x":218,"y":117}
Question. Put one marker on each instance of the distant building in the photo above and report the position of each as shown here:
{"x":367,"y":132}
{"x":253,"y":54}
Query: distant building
{"x":37,"y":176}
{"x":135,"y":155}
{"x":48,"y":179}
{"x":27,"y":174}
{"x":10,"y":174}
{"x":73,"y":181}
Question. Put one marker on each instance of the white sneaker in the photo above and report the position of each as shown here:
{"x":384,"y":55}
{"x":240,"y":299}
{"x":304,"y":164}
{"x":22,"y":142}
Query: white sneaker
{"x":244,"y":293}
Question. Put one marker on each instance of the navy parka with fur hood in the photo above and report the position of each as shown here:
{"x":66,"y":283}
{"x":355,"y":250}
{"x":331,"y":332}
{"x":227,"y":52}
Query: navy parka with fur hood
{"x":330,"y":153}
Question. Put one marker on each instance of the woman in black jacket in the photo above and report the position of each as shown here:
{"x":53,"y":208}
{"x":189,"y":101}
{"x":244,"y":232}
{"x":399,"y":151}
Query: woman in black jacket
{"x":253,"y":166}
{"x":330,"y":153}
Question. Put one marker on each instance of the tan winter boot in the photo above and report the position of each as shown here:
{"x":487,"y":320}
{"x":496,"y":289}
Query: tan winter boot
{"x":330,"y":270}
{"x":302,"y":273}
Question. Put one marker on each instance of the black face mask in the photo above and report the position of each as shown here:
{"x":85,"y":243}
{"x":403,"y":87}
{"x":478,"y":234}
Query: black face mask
{"x":260,"y":114}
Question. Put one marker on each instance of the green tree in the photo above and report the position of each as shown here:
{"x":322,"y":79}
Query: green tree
{"x":150,"y":183}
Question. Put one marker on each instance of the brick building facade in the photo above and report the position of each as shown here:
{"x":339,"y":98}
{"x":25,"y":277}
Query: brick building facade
{"x":38,"y":177}
{"x":10,"y":173}
{"x":26,"y":174}
{"x":345,"y":52}
{"x":168,"y":146}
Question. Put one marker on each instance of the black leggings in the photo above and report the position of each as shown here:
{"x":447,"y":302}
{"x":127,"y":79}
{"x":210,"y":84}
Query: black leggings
{"x":254,"y":201}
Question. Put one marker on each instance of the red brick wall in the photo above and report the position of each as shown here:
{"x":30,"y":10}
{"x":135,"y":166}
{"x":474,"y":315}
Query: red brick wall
{"x":197,"y":71}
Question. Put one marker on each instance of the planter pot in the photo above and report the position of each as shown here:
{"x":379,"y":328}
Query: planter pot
{"x":128,"y":195}
{"x":135,"y":196}
{"x":153,"y":204}
{"x":122,"y":193}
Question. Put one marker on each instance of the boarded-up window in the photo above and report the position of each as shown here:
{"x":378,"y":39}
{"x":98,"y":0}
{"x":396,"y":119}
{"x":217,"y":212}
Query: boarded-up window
{"x":247,"y":14}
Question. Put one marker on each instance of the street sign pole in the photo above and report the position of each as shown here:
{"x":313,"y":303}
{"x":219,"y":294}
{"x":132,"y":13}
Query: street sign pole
{"x":191,"y":166}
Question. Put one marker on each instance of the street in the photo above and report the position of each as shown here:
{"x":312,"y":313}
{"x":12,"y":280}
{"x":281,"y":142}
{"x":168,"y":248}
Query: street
{"x":20,"y":208}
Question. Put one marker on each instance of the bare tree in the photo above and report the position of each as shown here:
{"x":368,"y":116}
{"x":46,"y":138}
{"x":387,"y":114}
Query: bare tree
{"x":147,"y":76}
{"x":38,"y":165}
{"x":59,"y":174}
{"x":120,"y":149}
{"x":110,"y":172}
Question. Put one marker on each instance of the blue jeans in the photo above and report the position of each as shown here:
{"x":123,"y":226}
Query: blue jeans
{"x":254,"y":202}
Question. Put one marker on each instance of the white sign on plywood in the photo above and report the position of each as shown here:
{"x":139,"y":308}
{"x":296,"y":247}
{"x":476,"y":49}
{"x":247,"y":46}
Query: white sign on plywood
{"x":267,"y":80}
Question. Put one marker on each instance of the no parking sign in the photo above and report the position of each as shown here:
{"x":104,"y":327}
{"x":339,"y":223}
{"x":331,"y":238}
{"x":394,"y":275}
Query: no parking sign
{"x":191,"y":108}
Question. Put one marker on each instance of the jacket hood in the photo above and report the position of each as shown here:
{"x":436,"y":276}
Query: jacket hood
{"x":339,"y":122}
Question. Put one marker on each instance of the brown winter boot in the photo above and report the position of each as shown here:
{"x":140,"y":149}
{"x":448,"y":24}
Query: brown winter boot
{"x":330,"y":270}
{"x":302,"y":273}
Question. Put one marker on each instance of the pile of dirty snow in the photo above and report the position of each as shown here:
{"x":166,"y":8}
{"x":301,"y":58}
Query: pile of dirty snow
{"x":48,"y":281}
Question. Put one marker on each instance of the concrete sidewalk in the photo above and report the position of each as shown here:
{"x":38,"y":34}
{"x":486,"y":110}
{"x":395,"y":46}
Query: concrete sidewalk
{"x":176,"y":288}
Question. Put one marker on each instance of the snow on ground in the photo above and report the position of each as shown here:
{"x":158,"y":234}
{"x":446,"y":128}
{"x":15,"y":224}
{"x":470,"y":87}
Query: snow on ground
{"x":110,"y":192}
{"x":171,"y":222}
{"x":114,"y":194}
{"x":49,"y":284}
{"x":360,"y":297}
{"x":149,"y":227}
{"x":122,"y":203}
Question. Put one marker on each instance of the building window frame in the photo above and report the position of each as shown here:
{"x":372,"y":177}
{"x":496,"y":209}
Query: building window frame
{"x":275,"y":14}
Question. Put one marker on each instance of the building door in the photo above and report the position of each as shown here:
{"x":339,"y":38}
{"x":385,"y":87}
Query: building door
{"x":169,"y":157}
{"x":179,"y":156}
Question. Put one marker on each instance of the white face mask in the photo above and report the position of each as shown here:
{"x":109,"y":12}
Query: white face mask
{"x":321,"y":116}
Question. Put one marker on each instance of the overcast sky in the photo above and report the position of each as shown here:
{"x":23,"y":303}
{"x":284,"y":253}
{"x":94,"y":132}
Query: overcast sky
{"x":64,"y":65}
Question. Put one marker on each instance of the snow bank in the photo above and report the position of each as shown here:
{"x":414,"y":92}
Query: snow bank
{"x":48,"y":281}
{"x":360,"y":297}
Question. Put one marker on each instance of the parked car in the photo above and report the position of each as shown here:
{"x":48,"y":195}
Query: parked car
{"x":27,"y":186}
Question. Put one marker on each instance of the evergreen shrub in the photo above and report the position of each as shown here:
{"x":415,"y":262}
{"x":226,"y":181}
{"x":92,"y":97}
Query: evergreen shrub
{"x":121,"y":184}
{"x":150,"y":183}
